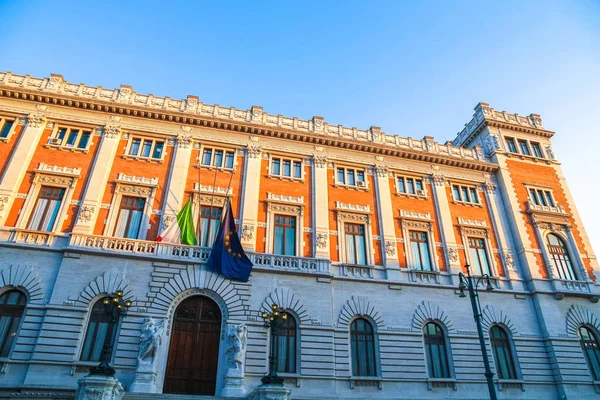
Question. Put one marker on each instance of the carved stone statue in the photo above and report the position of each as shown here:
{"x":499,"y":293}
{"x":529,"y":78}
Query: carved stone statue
{"x":237,"y":339}
{"x":150,"y":339}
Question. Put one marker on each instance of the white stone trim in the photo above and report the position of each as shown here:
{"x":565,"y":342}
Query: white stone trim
{"x":425,"y":226}
{"x":278,"y":207}
{"x":355,"y":218}
{"x":481,"y":233}
{"x":135,"y":190}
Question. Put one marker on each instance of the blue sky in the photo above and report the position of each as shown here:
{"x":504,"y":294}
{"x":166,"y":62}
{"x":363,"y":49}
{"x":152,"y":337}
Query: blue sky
{"x":414,"y":69}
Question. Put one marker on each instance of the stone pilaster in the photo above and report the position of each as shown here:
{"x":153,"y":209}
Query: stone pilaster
{"x":98,"y":177}
{"x":250,"y":196}
{"x":178,"y":173}
{"x":386,"y":220}
{"x":20,"y":160}
{"x":320,"y":207}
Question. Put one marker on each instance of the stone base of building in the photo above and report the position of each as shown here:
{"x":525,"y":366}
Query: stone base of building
{"x":97,"y":387}
{"x":144,"y":380}
{"x":271,"y":392}
{"x":234,"y":384}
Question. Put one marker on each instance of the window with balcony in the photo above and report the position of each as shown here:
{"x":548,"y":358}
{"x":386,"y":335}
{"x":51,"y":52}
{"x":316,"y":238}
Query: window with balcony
{"x":479,"y":259}
{"x":219,"y":158}
{"x":510,"y":143}
{"x":537,"y":150}
{"x":409,"y":185}
{"x":351,"y":177}
{"x":419,"y":245}
{"x":46,"y":209}
{"x":70,"y":138}
{"x":285,"y":345}
{"x":12,"y":308}
{"x":465,"y":194}
{"x":541,"y":197}
{"x":362,"y":344}
{"x":559,"y":255}
{"x":130,"y":216}
{"x":591,"y":349}
{"x":356,"y":250}
{"x":146,"y":148}
{"x":524,"y":146}
{"x":6,"y":125}
{"x":503,"y":354}
{"x":284,"y":238}
{"x":284,"y":167}
{"x":97,"y":332}
{"x":436,"y":352}
{"x":210,"y":220}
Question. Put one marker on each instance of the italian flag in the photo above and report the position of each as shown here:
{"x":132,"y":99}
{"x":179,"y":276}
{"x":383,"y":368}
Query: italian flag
{"x":181,"y":231}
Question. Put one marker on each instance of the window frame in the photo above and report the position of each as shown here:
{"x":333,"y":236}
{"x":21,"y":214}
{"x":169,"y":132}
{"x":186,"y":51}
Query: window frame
{"x":541,"y":200}
{"x":292,"y":208}
{"x":375,"y":348}
{"x":356,"y":171}
{"x":280,"y":175}
{"x":593,"y":332}
{"x":5,"y":290}
{"x":45,"y":213}
{"x":536,"y":149}
{"x":466,"y":190}
{"x":423,"y":226}
{"x":143,"y":139}
{"x":129,"y":218}
{"x":81,"y":345}
{"x":405,"y":177}
{"x":447,"y":351}
{"x":567,"y":251}
{"x":4,"y":119}
{"x":58,"y":127}
{"x":511,"y":145}
{"x":285,"y":226}
{"x":296,"y":364}
{"x":211,"y":218}
{"x":510,"y":346}
{"x":468,"y":232}
{"x":213,"y":150}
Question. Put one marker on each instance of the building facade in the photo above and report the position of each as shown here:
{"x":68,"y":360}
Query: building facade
{"x":358,"y":235}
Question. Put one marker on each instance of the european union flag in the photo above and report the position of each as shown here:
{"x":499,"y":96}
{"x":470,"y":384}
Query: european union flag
{"x":227,"y":256}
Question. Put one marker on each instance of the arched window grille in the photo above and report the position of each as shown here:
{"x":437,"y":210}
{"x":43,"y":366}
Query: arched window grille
{"x":96,"y":333}
{"x":503,"y":357}
{"x":286,"y":345}
{"x":12,"y":307}
{"x":435,"y":351}
{"x":560,"y":257}
{"x":591,"y":350}
{"x":362,"y":341}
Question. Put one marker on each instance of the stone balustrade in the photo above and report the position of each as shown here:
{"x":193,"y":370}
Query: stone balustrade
{"x":531,"y":207}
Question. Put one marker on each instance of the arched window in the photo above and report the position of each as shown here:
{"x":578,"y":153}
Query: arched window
{"x":12,"y":306}
{"x":435,"y":351}
{"x":362,"y":341}
{"x":560,"y":257}
{"x":286,"y":345}
{"x":96,"y":333}
{"x":503,"y":357}
{"x":591,"y":349}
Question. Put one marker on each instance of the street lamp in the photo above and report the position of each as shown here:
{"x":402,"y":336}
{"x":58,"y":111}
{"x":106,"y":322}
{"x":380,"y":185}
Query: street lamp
{"x":115,"y":307}
{"x":273,"y":320}
{"x":472,"y":283}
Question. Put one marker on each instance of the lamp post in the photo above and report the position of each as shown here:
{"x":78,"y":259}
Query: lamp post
{"x":273,"y":320}
{"x":472,"y":283}
{"x":115,"y":307}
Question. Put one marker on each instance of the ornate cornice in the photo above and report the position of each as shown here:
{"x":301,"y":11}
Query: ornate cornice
{"x":192,"y":112}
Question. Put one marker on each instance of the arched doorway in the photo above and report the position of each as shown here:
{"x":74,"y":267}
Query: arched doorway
{"x":194,"y":347}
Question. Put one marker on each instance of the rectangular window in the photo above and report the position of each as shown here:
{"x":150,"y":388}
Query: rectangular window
{"x":510,"y":143}
{"x":524,"y":147}
{"x":46,"y":209}
{"x":286,"y":167}
{"x":479,"y":258}
{"x":541,"y":197}
{"x":356,"y":250}
{"x":146,"y":148}
{"x":73,"y":138}
{"x":6,"y":125}
{"x":419,"y":246}
{"x":218,"y":158}
{"x":284,"y":239}
{"x":351,"y":177}
{"x":210,"y":219}
{"x":537,"y":149}
{"x":130,"y":217}
{"x":465,"y":194}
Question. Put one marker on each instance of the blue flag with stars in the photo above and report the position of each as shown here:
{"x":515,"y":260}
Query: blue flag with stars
{"x":227,"y":256}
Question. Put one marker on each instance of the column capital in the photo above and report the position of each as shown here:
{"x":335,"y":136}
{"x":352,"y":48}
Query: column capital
{"x":111,"y":130}
{"x":437,"y":179}
{"x":184,"y":140}
{"x":382,"y":170}
{"x":254,"y":151}
{"x":489,"y":187}
{"x":36,"y":119}
{"x":320,"y":161}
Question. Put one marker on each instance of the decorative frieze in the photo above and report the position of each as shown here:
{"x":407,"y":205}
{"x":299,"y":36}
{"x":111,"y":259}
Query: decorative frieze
{"x":285,"y":199}
{"x":221,"y":191}
{"x":274,"y":207}
{"x":414,"y":214}
{"x":321,"y":240}
{"x":138,"y":180}
{"x":471,"y":222}
{"x":452,"y":254}
{"x":43,"y":167}
{"x":354,"y":217}
{"x":352,"y":207}
{"x":86,"y":213}
{"x":390,"y":248}
{"x":247,"y":232}
{"x":56,"y":180}
{"x":3,"y":201}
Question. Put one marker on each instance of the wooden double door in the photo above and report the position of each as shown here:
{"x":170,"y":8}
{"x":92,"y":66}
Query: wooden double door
{"x":194,"y":348}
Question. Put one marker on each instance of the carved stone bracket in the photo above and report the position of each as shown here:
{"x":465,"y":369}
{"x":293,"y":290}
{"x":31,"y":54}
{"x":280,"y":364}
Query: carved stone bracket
{"x":86,"y":213}
{"x":390,"y":248}
{"x":3,"y":201}
{"x":247,"y":232}
{"x":452,"y":254}
{"x":321,"y":240}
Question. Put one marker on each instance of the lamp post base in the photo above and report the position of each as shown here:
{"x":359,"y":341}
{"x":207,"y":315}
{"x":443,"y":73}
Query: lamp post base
{"x":271,"y":391}
{"x":98,"y":387}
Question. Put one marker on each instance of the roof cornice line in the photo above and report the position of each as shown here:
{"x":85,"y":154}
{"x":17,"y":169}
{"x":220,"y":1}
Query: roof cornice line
{"x":124,"y":101}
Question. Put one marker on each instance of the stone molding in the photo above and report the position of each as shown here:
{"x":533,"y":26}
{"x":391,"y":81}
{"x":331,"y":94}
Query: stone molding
{"x":109,"y":282}
{"x":287,"y":300}
{"x":24,"y":277}
{"x":136,"y":180}
{"x":55,"y":169}
{"x":491,"y":315}
{"x":359,"y":306}
{"x":577,"y":316}
{"x":429,"y":311}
